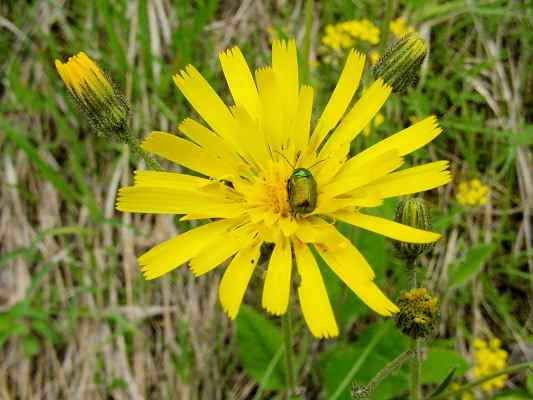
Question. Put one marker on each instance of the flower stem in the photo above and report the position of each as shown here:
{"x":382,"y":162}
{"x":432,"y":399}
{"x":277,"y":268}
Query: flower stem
{"x":415,"y":370}
{"x":287,"y":339}
{"x":389,"y":369}
{"x":135,"y":148}
{"x":480,"y":381}
{"x":385,"y":28}
{"x":415,"y":347}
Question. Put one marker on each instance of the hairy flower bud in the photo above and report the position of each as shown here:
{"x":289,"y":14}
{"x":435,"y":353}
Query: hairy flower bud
{"x":419,"y":313}
{"x":413,"y":212}
{"x":400,"y":65}
{"x":100,"y":101}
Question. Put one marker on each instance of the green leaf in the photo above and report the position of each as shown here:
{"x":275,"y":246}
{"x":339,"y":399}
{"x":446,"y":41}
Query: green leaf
{"x":337,"y":364}
{"x":472,"y":263}
{"x":530,"y":384}
{"x":436,"y":367}
{"x":444,"y":384}
{"x":30,"y":345}
{"x":515,"y":394}
{"x":259,"y":342}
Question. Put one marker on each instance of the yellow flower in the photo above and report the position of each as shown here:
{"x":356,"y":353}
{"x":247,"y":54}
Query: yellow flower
{"x":399,"y":27}
{"x":336,"y":38}
{"x":361,"y":29}
{"x":472,"y":193}
{"x":251,"y":194}
{"x":377,"y":121}
{"x":490,"y":358}
{"x":104,"y":106}
{"x":374,"y":57}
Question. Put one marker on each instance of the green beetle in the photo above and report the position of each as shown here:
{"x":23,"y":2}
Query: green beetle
{"x":301,"y":190}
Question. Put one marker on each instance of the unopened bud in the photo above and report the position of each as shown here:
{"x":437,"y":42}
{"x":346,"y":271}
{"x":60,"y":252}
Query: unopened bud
{"x":413,"y":212}
{"x":400,"y":65}
{"x":94,"y":92}
{"x":419,"y":313}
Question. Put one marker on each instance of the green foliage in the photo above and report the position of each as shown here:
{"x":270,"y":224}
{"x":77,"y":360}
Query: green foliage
{"x":440,"y":362}
{"x":369,"y":353}
{"x":260,"y":346}
{"x":472,"y":263}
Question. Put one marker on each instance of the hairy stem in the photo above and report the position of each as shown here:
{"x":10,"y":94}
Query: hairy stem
{"x":389,"y":369}
{"x":287,"y":339}
{"x":385,"y":28}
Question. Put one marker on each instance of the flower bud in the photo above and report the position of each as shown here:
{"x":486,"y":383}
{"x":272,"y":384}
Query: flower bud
{"x":419,"y":313}
{"x":400,"y":65}
{"x":104,"y":106}
{"x":413,"y":212}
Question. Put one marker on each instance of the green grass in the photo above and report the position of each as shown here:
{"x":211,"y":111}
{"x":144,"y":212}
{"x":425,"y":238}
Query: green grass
{"x":76,"y":318}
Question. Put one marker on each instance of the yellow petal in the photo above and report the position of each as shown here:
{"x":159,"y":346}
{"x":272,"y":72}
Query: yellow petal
{"x":329,"y":205}
{"x":351,"y":270}
{"x":272,"y":121}
{"x":338,"y":249}
{"x":341,"y":96}
{"x":314,"y":300}
{"x":186,"y":153}
{"x":205,"y":101}
{"x":210,"y":142}
{"x":352,"y":176}
{"x":285,"y":68}
{"x":236,"y":278}
{"x":163,"y":200}
{"x":172,"y":180}
{"x":277,"y":285}
{"x":410,"y":180}
{"x":215,"y":255}
{"x":250,"y":137}
{"x":240,"y":80}
{"x":388,"y":228}
{"x":173,"y":253}
{"x":405,"y":141}
{"x":302,"y":120}
{"x":359,"y":116}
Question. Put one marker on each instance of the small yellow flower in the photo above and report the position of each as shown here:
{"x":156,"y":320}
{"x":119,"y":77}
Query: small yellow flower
{"x":374,"y":57}
{"x":488,"y":359}
{"x":361,"y":29}
{"x":472,"y":193}
{"x":104,"y":106}
{"x":336,"y":38}
{"x":377,"y":121}
{"x":267,"y":177}
{"x":399,"y":27}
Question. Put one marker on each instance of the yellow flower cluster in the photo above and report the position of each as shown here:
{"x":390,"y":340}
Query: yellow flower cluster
{"x":490,"y":358}
{"x":344,"y":34}
{"x":472,"y":193}
{"x":400,"y":28}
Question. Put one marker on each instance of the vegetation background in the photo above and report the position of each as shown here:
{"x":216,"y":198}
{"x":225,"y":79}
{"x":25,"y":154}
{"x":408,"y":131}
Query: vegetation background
{"x":77,"y":321}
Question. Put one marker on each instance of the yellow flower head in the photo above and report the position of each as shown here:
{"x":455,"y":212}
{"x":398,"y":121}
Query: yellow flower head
{"x":267,"y":177}
{"x":400,"y":28}
{"x":374,"y":57}
{"x":336,"y":38}
{"x":472,"y":193}
{"x":488,"y":359}
{"x":362,"y":29}
{"x":104,"y":106}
